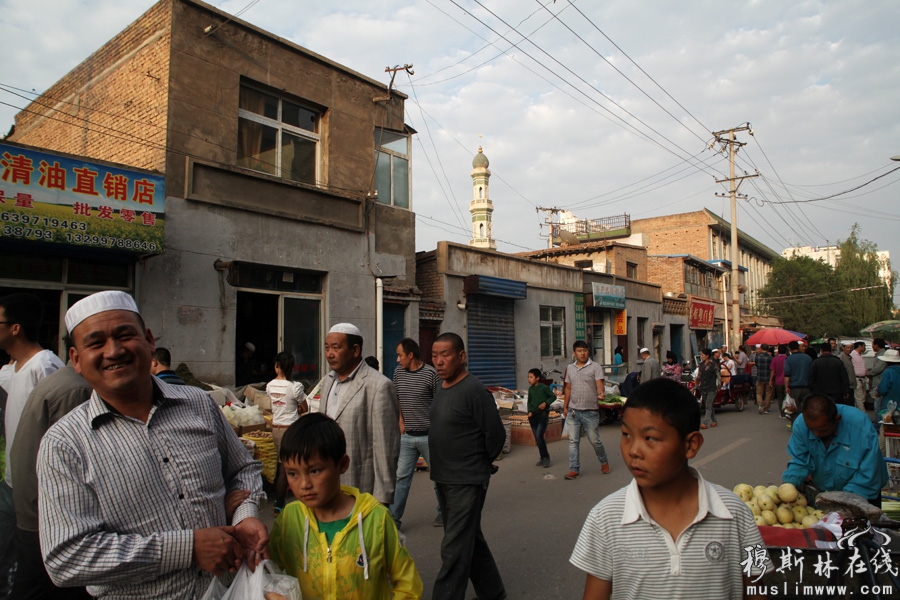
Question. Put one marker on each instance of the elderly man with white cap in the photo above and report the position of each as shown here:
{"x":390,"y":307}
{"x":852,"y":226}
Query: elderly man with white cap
{"x":650,"y":369}
{"x":133,"y":482}
{"x":364,"y":403}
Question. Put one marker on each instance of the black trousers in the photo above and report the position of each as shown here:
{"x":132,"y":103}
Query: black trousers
{"x":31,"y":581}
{"x":464,"y":552}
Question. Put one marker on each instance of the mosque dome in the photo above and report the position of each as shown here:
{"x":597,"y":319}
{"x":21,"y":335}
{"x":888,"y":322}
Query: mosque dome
{"x":480,"y":161}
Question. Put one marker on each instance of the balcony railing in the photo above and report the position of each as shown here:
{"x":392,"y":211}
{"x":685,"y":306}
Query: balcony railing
{"x":596,"y":228}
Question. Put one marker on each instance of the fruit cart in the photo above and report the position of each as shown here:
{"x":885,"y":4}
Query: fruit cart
{"x":611,"y":409}
{"x":815,"y":563}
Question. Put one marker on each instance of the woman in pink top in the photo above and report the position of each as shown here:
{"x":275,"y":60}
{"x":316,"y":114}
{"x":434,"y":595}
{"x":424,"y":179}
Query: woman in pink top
{"x":777,"y":377}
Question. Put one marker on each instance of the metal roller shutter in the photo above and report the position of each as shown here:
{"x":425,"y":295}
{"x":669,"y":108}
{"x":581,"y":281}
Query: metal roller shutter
{"x":492,"y":340}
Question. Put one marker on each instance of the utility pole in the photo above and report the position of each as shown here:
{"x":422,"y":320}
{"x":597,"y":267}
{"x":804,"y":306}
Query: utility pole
{"x":551,"y":212}
{"x":735,"y":182}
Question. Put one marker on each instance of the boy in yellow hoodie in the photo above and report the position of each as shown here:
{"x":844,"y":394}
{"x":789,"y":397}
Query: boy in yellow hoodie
{"x":340,"y":543}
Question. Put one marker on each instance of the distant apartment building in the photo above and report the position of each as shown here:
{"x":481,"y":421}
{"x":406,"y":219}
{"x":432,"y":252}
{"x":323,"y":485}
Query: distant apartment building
{"x":831,"y":255}
{"x":707,"y":236}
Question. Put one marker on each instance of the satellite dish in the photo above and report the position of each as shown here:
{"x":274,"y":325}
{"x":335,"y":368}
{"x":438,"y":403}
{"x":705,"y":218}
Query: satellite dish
{"x":568,"y":238}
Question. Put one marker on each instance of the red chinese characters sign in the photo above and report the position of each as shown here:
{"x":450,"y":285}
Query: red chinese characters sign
{"x":702,"y":315}
{"x":50,"y":198}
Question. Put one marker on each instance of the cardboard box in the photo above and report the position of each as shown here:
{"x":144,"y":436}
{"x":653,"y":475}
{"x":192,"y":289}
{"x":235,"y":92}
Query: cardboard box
{"x":240,"y":431}
{"x":522,"y":435}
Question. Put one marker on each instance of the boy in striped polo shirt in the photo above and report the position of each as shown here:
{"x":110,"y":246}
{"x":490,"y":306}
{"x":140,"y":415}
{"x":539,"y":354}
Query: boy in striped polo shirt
{"x":669,"y":529}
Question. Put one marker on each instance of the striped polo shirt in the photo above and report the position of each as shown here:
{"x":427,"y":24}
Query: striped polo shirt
{"x":416,"y":389}
{"x":621,"y":543}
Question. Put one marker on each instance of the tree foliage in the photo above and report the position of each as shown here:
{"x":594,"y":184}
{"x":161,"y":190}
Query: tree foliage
{"x":811,"y":296}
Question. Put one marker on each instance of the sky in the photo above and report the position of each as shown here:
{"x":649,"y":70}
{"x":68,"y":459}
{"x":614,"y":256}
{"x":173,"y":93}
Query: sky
{"x":599,"y":108}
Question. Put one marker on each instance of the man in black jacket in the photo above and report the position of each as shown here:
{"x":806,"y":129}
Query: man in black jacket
{"x":828,"y":376}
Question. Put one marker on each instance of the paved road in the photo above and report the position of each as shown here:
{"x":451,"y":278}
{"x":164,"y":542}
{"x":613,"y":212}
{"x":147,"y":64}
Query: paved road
{"x":533,"y":516}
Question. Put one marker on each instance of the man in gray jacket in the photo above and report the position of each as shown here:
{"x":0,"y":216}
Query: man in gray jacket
{"x":650,"y":369}
{"x":364,"y":403}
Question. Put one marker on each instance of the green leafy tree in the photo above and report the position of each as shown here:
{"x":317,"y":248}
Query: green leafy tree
{"x":797,"y":293}
{"x":809,"y":296}
{"x":859,"y":270}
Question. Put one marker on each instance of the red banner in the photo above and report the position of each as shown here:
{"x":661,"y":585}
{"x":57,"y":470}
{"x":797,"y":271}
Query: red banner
{"x":702,"y":315}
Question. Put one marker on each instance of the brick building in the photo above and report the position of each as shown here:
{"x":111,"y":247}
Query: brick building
{"x":707,"y":236}
{"x":605,"y":256}
{"x":268,"y":153}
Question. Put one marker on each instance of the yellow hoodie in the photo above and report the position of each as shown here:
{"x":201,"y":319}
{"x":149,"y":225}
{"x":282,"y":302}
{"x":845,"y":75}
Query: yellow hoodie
{"x":364,"y":562}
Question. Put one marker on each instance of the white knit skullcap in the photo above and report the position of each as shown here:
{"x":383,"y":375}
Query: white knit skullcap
{"x":98,"y":303}
{"x":346,"y":328}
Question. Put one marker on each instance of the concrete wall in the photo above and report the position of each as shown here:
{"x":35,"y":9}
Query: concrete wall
{"x":189,"y":303}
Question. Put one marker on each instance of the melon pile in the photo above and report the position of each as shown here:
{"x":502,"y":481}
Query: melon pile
{"x":778,"y":506}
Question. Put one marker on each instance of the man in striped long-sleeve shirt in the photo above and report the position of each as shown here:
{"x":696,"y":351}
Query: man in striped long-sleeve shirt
{"x":132,"y":483}
{"x":416,"y":384}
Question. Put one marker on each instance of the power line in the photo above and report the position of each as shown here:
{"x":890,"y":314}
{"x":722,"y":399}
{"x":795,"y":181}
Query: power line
{"x":623,"y":121}
{"x":625,"y":54}
{"x":455,"y":204}
{"x":617,"y":70}
{"x":853,"y":189}
{"x":471,"y":54}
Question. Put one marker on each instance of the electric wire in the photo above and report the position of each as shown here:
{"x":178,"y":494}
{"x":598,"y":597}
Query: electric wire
{"x":471,"y":54}
{"x":778,"y":175}
{"x":835,"y":195}
{"x":231,"y":18}
{"x":625,"y":54}
{"x":619,"y":118}
{"x":455,"y":204}
{"x":619,"y":71}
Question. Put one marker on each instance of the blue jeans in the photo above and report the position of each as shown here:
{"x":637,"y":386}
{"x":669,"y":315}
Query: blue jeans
{"x":538,"y":422}
{"x":590,"y":420}
{"x":410,"y":448}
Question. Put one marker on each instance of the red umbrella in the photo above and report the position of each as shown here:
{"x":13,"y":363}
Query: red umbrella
{"x":772,"y":336}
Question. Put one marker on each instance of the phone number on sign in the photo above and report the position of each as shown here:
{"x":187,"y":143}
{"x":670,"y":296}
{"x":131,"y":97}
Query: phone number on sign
{"x":79,"y":238}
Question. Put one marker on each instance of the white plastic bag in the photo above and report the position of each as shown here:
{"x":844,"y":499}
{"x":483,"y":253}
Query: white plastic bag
{"x":263,"y":584}
{"x":789,"y":405}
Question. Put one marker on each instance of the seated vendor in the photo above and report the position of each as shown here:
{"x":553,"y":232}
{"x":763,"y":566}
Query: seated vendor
{"x":837,"y":447}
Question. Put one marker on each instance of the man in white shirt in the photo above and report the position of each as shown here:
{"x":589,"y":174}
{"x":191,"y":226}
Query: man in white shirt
{"x":20,"y":322}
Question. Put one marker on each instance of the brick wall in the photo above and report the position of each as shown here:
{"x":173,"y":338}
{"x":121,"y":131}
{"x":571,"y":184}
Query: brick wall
{"x":112,"y":106}
{"x":666,"y":272}
{"x":685,"y":233}
{"x":621,"y":255}
{"x":428,"y":280}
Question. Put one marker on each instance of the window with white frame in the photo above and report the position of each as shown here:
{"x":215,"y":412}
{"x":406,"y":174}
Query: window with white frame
{"x":277,"y":136}
{"x":392,"y":167}
{"x":553,"y":328}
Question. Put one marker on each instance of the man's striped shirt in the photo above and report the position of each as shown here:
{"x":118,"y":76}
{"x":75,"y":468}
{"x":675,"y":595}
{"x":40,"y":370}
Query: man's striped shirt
{"x":119,"y":499}
{"x":416,"y":390}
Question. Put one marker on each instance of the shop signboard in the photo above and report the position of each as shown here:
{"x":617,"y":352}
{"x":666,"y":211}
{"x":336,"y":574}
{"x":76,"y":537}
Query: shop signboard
{"x":580,"y":328}
{"x":702,"y":315}
{"x":608,"y":296}
{"x":55,"y":199}
{"x":621,"y":324}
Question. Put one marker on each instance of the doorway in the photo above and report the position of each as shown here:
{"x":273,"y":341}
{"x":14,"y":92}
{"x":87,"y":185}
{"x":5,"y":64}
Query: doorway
{"x":272,"y":323}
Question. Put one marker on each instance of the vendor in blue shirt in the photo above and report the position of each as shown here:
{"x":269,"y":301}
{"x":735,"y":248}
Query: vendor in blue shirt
{"x":837,"y":447}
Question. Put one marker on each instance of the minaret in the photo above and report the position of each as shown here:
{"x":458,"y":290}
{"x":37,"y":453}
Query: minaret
{"x":481,"y":206}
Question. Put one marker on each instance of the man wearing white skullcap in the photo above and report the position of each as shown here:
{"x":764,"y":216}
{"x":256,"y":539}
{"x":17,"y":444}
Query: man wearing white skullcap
{"x":364,"y":403}
{"x":133,"y":483}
